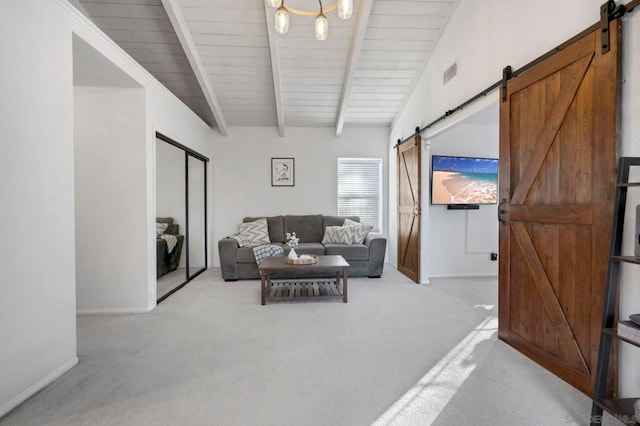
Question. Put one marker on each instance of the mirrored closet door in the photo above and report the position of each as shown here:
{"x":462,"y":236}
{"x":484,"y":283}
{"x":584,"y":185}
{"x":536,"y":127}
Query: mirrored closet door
{"x":197,"y":218}
{"x":181,"y":215}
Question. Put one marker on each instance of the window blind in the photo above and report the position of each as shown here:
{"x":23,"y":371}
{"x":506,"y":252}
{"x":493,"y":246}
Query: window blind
{"x":360,"y":190}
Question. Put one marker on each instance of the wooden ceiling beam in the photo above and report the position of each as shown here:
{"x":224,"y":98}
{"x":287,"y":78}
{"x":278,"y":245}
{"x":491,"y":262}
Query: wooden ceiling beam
{"x":190,"y":49}
{"x":275,"y":66}
{"x":354,"y":57}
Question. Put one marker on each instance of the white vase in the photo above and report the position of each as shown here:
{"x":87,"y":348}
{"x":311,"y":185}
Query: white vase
{"x":292,"y":254}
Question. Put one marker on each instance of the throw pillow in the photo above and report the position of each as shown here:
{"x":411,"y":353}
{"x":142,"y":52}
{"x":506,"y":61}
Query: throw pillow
{"x":161,"y":227}
{"x":254,"y":233}
{"x":337,"y":235}
{"x":360,"y":230}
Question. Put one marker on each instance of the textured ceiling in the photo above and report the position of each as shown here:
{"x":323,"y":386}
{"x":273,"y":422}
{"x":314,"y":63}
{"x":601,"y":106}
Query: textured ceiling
{"x":224,"y":60}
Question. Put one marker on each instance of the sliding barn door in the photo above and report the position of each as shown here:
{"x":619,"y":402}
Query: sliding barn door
{"x":409,"y":168}
{"x":558,"y":150}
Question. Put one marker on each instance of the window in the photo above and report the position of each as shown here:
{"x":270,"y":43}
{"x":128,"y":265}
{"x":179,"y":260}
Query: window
{"x":360,"y":190}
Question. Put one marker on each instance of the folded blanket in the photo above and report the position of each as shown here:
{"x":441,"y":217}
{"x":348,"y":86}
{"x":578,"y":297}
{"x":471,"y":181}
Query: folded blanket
{"x":244,"y":242}
{"x":171,"y":241}
{"x":265,"y":251}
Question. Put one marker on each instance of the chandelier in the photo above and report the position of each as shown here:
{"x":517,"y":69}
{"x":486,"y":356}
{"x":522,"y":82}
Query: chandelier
{"x":345,"y":9}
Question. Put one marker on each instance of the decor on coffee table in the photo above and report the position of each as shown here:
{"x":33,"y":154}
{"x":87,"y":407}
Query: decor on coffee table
{"x":292,"y":242}
{"x":293,"y":258}
{"x":292,"y":239}
{"x":303,"y":259}
{"x":282,"y":172}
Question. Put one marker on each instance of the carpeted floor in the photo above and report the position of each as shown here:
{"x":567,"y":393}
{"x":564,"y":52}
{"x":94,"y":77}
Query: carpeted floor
{"x":397,"y":354}
{"x":171,"y":280}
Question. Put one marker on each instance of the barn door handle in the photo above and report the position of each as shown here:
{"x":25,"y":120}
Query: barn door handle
{"x":501,"y":212}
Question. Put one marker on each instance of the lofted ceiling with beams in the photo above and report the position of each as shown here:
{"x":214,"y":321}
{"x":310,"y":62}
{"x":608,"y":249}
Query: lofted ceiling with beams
{"x":224,"y":59}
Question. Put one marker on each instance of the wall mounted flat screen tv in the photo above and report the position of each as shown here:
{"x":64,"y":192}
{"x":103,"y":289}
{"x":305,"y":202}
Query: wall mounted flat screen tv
{"x":464,"y":180}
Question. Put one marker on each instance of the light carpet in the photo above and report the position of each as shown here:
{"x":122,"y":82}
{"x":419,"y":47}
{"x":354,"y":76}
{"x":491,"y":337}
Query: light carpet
{"x":397,"y":354}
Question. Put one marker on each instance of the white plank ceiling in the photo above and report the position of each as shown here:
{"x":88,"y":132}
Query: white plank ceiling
{"x":362,"y":75}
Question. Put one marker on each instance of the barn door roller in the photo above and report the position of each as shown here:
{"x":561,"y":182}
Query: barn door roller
{"x":507,"y":73}
{"x":608,"y":12}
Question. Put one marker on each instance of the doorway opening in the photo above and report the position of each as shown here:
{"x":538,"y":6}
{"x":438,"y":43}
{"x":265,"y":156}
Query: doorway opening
{"x":463,"y":242}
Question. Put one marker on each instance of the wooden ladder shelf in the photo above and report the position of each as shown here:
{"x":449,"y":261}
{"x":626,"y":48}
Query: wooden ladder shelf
{"x":621,"y":409}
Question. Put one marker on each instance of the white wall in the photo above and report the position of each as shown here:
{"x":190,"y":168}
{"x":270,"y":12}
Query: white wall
{"x":37,"y":256}
{"x":460,"y":241}
{"x":242,"y":168}
{"x":38,"y":307}
{"x":484,"y":37}
{"x":110,"y":199}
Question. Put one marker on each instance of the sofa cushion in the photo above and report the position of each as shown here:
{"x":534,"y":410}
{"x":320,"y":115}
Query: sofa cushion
{"x":348,"y":251}
{"x":275,"y":225}
{"x":336,"y":220}
{"x":173,"y":229}
{"x":308,"y":228}
{"x":161,"y":227}
{"x":360,"y":230}
{"x":338,"y":235}
{"x":308,"y":248}
{"x":254,"y":233}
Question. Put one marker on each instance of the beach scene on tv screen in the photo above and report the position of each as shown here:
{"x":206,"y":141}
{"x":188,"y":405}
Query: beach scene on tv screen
{"x":462,"y":180}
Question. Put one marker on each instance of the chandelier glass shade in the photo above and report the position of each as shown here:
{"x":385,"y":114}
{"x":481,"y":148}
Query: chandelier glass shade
{"x":321,"y":29}
{"x":345,"y":8}
{"x":282,"y":20}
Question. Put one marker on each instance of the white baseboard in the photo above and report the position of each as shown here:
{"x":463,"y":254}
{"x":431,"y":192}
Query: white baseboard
{"x":470,"y":275}
{"x":101,"y":311}
{"x":38,"y":386}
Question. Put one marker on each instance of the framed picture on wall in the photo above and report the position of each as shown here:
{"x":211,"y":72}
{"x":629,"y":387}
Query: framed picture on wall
{"x":282,"y":172}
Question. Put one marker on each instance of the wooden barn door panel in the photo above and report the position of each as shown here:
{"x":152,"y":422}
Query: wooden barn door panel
{"x":409,"y":170}
{"x":558,"y":151}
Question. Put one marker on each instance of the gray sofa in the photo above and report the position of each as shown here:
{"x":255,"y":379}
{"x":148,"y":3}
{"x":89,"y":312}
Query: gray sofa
{"x":167,"y":262}
{"x":366,"y":259}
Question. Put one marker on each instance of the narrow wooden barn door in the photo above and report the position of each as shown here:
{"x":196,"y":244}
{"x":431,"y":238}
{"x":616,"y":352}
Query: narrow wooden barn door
{"x":409,"y":209}
{"x":558,"y":150}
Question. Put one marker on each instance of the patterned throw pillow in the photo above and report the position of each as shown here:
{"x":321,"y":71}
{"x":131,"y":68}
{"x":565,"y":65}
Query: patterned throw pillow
{"x":254,"y":233}
{"x":337,"y":235}
{"x":360,"y":230}
{"x":161,"y":227}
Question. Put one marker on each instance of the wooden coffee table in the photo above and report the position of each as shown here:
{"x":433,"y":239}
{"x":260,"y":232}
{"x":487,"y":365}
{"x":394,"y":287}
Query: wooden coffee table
{"x":325,"y":284}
